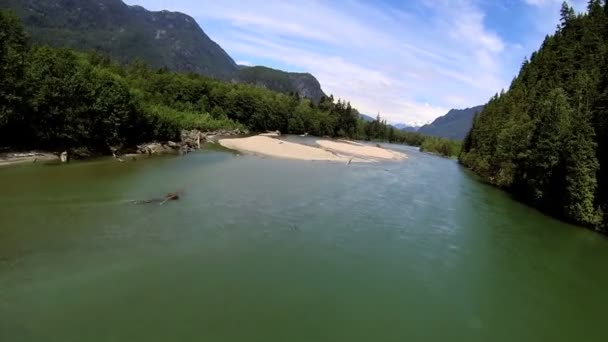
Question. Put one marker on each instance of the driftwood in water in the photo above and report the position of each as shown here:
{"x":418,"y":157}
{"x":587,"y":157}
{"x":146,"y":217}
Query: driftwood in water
{"x":174,"y":196}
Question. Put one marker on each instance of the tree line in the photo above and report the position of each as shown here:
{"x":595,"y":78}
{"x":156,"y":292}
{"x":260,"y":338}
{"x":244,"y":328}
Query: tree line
{"x":546,"y":138}
{"x":59,"y":98}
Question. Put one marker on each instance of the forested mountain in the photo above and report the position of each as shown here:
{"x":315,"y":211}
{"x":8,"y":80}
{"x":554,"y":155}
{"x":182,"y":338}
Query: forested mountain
{"x":160,"y":39}
{"x":546,"y":138}
{"x":303,"y":84}
{"x":454,"y":125}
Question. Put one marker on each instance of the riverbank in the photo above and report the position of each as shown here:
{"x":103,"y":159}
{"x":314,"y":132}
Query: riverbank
{"x":189,"y":141}
{"x":323,"y":150}
{"x":18,"y":158}
{"x":266,"y":144}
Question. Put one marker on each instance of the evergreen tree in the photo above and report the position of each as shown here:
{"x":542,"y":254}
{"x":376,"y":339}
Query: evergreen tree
{"x":546,"y":138}
{"x":13,"y":54}
{"x":566,"y":14}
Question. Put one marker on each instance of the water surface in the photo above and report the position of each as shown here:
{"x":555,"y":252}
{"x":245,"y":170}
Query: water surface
{"x":276,"y":250}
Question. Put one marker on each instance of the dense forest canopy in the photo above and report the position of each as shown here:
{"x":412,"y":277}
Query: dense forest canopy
{"x":545,"y":139}
{"x":59,"y":98}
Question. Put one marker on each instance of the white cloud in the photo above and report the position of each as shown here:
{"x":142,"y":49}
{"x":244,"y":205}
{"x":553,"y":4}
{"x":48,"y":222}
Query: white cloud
{"x":245,"y":63}
{"x":411,"y":63}
{"x":578,"y":4}
{"x":541,"y":2}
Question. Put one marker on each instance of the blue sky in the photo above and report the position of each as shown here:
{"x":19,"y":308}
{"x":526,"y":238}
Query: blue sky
{"x":411,"y":61}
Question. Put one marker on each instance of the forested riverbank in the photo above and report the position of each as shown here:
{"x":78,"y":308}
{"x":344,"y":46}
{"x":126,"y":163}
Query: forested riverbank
{"x":59,"y":99}
{"x":546,"y":138}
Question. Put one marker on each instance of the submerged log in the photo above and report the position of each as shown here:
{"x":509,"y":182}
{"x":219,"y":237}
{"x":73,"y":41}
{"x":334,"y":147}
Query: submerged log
{"x":173,"y":196}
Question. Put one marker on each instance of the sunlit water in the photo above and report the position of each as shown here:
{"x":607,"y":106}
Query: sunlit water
{"x":276,"y":250}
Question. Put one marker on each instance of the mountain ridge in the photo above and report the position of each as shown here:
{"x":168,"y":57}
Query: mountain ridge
{"x":406,"y":127}
{"x":454,"y":125}
{"x":304,"y":84}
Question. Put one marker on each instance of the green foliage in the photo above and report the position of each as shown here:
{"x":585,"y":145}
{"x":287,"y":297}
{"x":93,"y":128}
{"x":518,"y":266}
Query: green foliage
{"x":71,"y":103}
{"x":167,"y":122}
{"x":545,"y":138}
{"x":13,"y":54}
{"x":442,"y":146}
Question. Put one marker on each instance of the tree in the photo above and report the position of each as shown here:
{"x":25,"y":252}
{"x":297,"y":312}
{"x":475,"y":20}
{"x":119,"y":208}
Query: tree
{"x":566,"y":14}
{"x":594,"y":7}
{"x":111,"y":111}
{"x":13,"y":54}
{"x":581,"y":168}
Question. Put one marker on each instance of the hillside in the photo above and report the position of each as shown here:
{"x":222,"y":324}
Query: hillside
{"x":161,"y":39}
{"x":303,"y":84}
{"x":366,"y":118}
{"x":406,"y":127}
{"x":124,"y":32}
{"x":546,"y":138}
{"x":454,"y":125}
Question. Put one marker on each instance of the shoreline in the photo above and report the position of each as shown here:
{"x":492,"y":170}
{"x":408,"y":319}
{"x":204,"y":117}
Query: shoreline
{"x":14,"y":158}
{"x":265,"y":145}
{"x":190,"y":140}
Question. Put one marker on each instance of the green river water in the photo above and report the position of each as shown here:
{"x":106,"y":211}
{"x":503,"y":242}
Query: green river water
{"x":275,"y":250}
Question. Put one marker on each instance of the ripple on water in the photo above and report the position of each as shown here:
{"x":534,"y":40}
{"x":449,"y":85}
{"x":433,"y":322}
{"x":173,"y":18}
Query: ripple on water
{"x":286,"y":248}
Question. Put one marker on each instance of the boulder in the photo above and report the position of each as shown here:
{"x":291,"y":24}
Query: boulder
{"x":191,"y":138}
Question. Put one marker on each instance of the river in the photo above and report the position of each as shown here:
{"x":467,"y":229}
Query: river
{"x":262,"y":249}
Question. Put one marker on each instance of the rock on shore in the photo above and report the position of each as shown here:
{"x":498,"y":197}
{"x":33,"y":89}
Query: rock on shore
{"x":191,"y":140}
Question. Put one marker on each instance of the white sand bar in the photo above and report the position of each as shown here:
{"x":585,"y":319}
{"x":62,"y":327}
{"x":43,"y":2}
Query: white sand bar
{"x":360,"y":150}
{"x":268,"y":146}
{"x":328,"y":150}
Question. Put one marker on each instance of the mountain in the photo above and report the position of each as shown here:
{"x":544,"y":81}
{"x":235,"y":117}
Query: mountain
{"x":454,"y":125}
{"x":125,"y":32}
{"x":161,"y":39}
{"x":366,"y":118}
{"x":406,"y":127}
{"x":305,"y":84}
